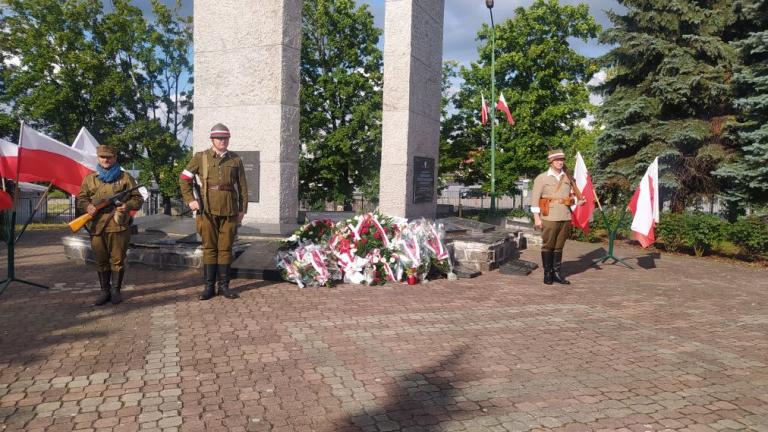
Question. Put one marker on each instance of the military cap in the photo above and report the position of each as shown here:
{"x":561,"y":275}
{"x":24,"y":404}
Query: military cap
{"x":556,"y":154}
{"x":219,"y":130}
{"x":106,"y":151}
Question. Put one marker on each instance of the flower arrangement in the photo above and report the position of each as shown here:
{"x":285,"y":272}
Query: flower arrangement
{"x":369,"y":249}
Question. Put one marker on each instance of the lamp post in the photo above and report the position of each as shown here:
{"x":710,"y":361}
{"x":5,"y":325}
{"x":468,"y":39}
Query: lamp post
{"x":489,"y":5}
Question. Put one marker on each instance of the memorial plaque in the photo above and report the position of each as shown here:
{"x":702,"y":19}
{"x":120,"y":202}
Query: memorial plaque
{"x":251,"y":165}
{"x":423,"y":180}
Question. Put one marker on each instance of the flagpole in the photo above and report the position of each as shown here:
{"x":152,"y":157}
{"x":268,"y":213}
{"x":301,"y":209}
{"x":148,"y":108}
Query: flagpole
{"x":489,"y":4}
{"x":11,"y":228}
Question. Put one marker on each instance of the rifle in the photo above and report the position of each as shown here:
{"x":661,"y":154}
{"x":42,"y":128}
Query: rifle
{"x":198,"y":194}
{"x":114,"y":200}
{"x":576,"y":190}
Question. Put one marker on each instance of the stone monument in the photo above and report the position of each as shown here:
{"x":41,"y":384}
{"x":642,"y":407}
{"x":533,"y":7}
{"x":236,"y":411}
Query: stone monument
{"x":413,"y":55}
{"x":247,"y":56}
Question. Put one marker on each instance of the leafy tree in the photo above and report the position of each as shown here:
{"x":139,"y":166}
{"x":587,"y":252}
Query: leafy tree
{"x":748,"y":175}
{"x":341,"y":101}
{"x":543,"y":81}
{"x":67,"y":64}
{"x":668,"y":94}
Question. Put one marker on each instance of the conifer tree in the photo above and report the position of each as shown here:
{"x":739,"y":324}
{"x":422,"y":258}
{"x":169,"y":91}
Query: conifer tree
{"x":748,"y":175}
{"x":668,"y":94}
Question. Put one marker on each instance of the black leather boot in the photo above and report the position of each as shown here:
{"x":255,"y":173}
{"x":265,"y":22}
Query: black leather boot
{"x":224,"y":282}
{"x":117,"y":284}
{"x":209,"y":275}
{"x":557,"y":262}
{"x":546,"y":262}
{"x":104,"y":284}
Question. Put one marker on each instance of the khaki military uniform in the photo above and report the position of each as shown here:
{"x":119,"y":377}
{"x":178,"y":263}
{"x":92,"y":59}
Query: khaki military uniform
{"x":557,"y":190}
{"x":224,"y":195}
{"x":110,"y":228}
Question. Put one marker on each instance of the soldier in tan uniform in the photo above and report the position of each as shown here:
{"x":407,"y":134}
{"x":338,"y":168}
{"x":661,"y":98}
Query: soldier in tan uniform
{"x":110,"y":228}
{"x":220,"y":208}
{"x":553,"y":194}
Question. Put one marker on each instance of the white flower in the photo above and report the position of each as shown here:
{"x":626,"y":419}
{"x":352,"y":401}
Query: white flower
{"x":293,"y":238}
{"x":375,"y":260}
{"x":392,"y":259}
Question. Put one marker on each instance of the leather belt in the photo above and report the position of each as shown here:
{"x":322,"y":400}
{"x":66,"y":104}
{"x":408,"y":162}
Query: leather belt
{"x":565,"y":201}
{"x":221,"y":187}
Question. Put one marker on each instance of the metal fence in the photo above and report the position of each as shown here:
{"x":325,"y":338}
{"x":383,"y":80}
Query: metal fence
{"x":62,"y":210}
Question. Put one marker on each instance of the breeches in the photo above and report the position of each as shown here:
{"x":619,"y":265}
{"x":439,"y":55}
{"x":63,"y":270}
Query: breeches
{"x":109,"y":250}
{"x":218,"y":236}
{"x":554,"y":234}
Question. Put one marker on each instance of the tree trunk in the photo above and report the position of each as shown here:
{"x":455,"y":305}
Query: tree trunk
{"x":166,"y":205}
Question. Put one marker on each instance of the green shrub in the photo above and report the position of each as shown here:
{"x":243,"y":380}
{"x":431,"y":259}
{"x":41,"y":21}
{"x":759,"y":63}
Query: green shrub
{"x":701,"y":232}
{"x":751,"y":235}
{"x":670,"y":231}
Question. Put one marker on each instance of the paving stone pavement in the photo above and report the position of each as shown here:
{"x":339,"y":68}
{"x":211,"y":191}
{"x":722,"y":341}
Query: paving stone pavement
{"x":677,"y":344}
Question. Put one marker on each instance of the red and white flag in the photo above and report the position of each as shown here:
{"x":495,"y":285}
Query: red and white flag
{"x":42,"y":158}
{"x":6,"y":201}
{"x":581,"y":215}
{"x":483,"y":111}
{"x":645,"y":206}
{"x":85,"y":142}
{"x":9,"y":159}
{"x":502,"y":105}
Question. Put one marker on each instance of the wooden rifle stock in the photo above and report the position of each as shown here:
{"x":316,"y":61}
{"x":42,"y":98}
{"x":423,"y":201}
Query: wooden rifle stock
{"x":78,"y":223}
{"x":573,"y":183}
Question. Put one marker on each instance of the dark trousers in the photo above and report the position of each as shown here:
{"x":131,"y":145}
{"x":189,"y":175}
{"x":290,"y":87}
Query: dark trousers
{"x":554,"y":234}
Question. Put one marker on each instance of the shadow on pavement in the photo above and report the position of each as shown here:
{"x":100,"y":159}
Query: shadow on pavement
{"x":424,"y":399}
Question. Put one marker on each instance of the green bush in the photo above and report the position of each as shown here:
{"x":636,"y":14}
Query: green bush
{"x":701,"y":232}
{"x":671,"y":231}
{"x":751,"y":235}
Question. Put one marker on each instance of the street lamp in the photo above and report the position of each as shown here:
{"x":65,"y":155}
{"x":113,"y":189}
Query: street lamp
{"x":489,"y":5}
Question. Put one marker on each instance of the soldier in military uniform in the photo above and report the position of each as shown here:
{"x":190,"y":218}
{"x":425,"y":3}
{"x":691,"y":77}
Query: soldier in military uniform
{"x":110,"y":228}
{"x":553,"y":194}
{"x":222,"y":203}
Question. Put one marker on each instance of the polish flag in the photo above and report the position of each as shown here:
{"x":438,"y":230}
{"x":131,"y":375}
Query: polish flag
{"x":581,"y":215}
{"x":484,"y":111}
{"x":502,"y":105}
{"x":85,"y":142}
{"x":6,"y":201}
{"x":645,"y":206}
{"x":42,"y":158}
{"x":9,"y":159}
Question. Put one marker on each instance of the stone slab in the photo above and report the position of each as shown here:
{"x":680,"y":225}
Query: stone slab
{"x":258,"y":261}
{"x":472,"y":226}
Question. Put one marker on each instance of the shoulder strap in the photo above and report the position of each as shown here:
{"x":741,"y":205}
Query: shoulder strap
{"x":560,"y":183}
{"x":204,"y":179}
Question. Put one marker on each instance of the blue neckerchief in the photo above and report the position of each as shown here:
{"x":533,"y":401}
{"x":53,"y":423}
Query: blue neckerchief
{"x":110,"y":175}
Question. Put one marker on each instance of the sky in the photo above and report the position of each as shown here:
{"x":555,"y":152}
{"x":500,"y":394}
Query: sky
{"x":462,"y":20}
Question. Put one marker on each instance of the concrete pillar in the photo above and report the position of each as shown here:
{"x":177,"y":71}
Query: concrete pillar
{"x":247,"y":55}
{"x":413,"y":55}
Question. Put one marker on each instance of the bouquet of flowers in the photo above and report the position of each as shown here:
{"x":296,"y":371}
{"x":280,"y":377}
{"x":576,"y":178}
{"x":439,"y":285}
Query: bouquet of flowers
{"x":367,"y":249}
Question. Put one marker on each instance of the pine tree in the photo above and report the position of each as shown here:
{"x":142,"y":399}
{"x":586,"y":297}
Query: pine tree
{"x":668,"y":94}
{"x":748,"y":175}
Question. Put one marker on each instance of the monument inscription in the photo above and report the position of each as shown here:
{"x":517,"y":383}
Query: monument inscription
{"x":251,"y":165}
{"x":423,"y":180}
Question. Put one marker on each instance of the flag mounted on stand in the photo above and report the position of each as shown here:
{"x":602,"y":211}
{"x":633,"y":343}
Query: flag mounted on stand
{"x":502,"y":105}
{"x":85,"y":142}
{"x":483,"y":111}
{"x":42,"y":158}
{"x":9,"y":159}
{"x":581,"y":215}
{"x":644,"y":205}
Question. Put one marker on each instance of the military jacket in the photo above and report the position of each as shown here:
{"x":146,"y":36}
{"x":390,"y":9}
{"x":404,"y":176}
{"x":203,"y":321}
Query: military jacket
{"x":224,"y":188}
{"x":546,"y":186}
{"x":109,"y":219}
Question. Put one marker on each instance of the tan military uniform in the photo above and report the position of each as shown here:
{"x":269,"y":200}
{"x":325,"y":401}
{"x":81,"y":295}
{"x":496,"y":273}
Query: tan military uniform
{"x":110,"y":228}
{"x":224,"y":195}
{"x":556,"y":226}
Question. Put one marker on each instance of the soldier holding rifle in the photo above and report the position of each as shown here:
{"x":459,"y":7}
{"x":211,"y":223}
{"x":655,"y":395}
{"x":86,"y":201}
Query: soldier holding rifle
{"x":220,"y":207}
{"x":110,"y":224}
{"x":553,"y":194}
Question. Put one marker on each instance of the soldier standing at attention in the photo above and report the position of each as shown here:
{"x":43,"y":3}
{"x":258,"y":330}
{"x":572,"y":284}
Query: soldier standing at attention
{"x":224,"y":202}
{"x":110,"y":228}
{"x":550,"y":204}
